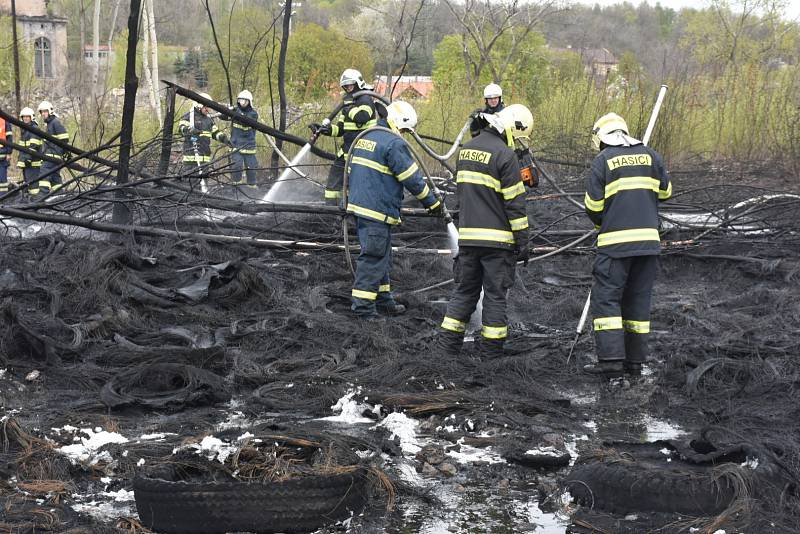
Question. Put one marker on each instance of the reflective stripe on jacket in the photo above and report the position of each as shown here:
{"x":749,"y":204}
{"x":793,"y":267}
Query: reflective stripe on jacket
{"x":202,"y":141}
{"x":57,"y":130}
{"x":622,"y":194}
{"x":380,"y":168}
{"x":32,"y":141}
{"x":244,"y":137}
{"x":356,"y":116}
{"x":491,"y":195}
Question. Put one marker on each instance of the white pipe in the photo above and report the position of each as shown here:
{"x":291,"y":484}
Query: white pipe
{"x":654,"y":115}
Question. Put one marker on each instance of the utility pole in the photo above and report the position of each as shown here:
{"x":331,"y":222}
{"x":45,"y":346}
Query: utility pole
{"x":15,"y":53}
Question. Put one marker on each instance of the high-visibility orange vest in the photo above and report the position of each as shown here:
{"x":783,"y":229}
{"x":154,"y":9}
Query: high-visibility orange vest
{"x":2,"y":129}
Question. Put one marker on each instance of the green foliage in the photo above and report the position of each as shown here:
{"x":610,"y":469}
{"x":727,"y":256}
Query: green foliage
{"x":247,"y":40}
{"x":7,"y":62}
{"x":316,"y":58}
{"x":524,"y":77}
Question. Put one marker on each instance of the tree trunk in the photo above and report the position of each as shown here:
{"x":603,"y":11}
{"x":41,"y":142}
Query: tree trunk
{"x":96,"y":45}
{"x":148,"y":78}
{"x":154,"y":56}
{"x":122,"y":214}
{"x":287,"y":18}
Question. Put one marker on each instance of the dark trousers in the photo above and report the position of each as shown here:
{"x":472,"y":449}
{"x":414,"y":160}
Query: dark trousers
{"x":476,"y":268}
{"x":4,"y":175}
{"x":373,"y":266}
{"x":48,"y":176}
{"x":31,"y":176}
{"x":239,"y":162}
{"x":333,"y":187}
{"x":621,"y":306}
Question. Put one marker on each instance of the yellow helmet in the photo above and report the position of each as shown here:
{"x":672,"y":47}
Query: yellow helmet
{"x":611,"y":129}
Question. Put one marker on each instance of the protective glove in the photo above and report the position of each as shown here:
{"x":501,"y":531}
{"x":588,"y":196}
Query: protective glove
{"x":224,"y":139}
{"x":320,"y":129}
{"x":522,"y":253}
{"x":437,"y":209}
{"x":194,"y":132}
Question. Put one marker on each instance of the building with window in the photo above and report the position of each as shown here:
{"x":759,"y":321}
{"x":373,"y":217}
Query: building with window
{"x":47,"y":35}
{"x":103,"y":55}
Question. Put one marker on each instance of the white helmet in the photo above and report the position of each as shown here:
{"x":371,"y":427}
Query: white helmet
{"x":45,"y":106}
{"x":26,"y":112}
{"x":246,"y":95}
{"x":352,"y":77}
{"x":612,"y":130}
{"x":401,"y":115}
{"x":518,"y":120}
{"x":204,"y":95}
{"x":492,"y":91}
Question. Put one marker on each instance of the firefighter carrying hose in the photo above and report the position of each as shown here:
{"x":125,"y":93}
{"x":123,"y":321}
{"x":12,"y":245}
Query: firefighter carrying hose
{"x":493,"y":98}
{"x":49,"y":177}
{"x":358,"y":114}
{"x":29,"y":163}
{"x":625,"y":184}
{"x":197,"y":129}
{"x":492,"y":230}
{"x":380,"y":168}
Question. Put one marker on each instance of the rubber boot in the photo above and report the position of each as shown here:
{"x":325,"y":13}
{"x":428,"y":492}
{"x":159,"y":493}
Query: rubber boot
{"x":391,"y":308}
{"x":633,"y":368}
{"x":605,"y":368}
{"x":448,"y":343}
{"x":490,"y":348}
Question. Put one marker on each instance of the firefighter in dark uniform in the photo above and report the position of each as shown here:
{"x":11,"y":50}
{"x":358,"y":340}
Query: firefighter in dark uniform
{"x":380,"y":168}
{"x":625,"y":184}
{"x":49,"y":177}
{"x":357,"y":114}
{"x":6,"y":134}
{"x":29,"y":163}
{"x":493,"y":98}
{"x":492,"y":230}
{"x":243,"y":140}
{"x":197,"y":129}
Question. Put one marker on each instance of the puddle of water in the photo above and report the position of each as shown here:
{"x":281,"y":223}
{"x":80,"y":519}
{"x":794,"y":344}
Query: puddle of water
{"x":479,"y":508}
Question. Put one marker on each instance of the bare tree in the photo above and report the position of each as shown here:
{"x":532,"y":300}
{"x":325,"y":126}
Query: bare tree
{"x":484,"y":22}
{"x":395,"y":37}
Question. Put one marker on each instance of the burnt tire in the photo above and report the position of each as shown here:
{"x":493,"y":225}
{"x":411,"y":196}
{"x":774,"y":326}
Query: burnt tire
{"x":625,"y":486}
{"x":296,"y":505}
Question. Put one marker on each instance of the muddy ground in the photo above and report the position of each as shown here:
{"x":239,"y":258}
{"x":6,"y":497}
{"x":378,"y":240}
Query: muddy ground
{"x":119,"y":356}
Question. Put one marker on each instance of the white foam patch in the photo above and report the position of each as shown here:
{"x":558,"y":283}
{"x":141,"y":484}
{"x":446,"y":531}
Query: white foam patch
{"x":661,"y":430}
{"x":404,"y":428}
{"x":348,"y":410}
{"x":469,"y":454}
{"x":158,"y":435}
{"x":545,"y":451}
{"x":85,"y":452}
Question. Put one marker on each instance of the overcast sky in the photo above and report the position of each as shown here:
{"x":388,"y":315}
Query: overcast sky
{"x":792,"y":6}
